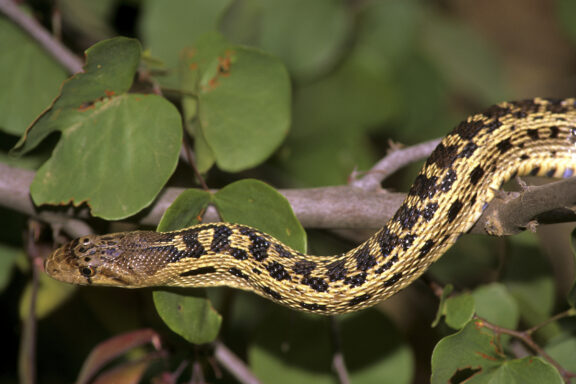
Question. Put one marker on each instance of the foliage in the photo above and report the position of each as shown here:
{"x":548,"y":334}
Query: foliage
{"x":269,"y":92}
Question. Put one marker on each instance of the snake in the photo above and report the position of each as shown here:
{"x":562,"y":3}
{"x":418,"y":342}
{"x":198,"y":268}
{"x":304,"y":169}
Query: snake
{"x":462,"y":175}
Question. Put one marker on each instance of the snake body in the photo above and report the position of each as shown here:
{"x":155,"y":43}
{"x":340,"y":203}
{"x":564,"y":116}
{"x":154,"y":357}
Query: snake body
{"x":536,"y":137}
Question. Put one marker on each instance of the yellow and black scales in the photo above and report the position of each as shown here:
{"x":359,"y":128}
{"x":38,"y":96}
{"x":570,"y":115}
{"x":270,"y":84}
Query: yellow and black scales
{"x":536,"y":137}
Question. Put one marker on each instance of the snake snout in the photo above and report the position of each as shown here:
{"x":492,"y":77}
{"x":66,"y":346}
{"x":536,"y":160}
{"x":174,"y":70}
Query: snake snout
{"x":60,"y":265}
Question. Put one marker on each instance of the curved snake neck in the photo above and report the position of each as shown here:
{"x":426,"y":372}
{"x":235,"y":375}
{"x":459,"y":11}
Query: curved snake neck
{"x":536,"y":137}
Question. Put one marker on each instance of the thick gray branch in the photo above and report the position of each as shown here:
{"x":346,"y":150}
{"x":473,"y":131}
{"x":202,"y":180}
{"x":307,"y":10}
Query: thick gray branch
{"x":341,"y":207}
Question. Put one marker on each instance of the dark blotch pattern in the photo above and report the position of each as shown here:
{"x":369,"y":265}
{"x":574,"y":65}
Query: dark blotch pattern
{"x":426,"y":248}
{"x":407,"y":216}
{"x":448,"y":180}
{"x":238,"y":273}
{"x":524,"y":157}
{"x":313,"y":307}
{"x":429,"y":211}
{"x":238,"y":253}
{"x":393,"y":280}
{"x":336,"y":270}
{"x":424,"y":187}
{"x":282,"y":252}
{"x":556,"y":106}
{"x":259,"y":245}
{"x":193,"y":247}
{"x":554,"y":131}
{"x":504,"y":146}
{"x":359,"y":299}
{"x":468,"y":150}
{"x":304,"y":267}
{"x":443,"y":156}
{"x":170,"y":252}
{"x":468,"y":130}
{"x":534,"y":171}
{"x":387,"y":241}
{"x":407,"y":241}
{"x":364,"y":260}
{"x":220,"y":240}
{"x":277,"y":271}
{"x":356,"y":280}
{"x":476,"y":174}
{"x":387,"y":265}
{"x":272,"y":293}
{"x":473,"y":199}
{"x":316,"y":283}
{"x":198,"y":271}
{"x":454,"y":210}
{"x":533,"y":134}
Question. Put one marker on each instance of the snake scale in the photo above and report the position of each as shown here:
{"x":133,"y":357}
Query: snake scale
{"x":536,"y":137}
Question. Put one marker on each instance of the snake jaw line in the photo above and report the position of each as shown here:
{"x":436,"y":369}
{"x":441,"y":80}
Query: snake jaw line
{"x":459,"y":179}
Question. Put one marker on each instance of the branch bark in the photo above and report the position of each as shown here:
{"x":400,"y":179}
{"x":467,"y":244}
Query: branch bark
{"x":57,"y":50}
{"x":341,"y":207}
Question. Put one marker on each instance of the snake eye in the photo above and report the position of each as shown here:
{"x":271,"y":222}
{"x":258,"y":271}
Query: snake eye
{"x":87,"y":271}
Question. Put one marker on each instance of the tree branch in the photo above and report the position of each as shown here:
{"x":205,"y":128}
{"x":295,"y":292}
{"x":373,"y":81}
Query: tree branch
{"x":234,"y":364}
{"x":341,"y":207}
{"x":57,"y":50}
{"x":392,"y":162}
{"x":526,"y":338}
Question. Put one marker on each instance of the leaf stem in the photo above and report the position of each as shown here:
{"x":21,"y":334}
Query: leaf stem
{"x":567,"y":313}
{"x":526,"y":338}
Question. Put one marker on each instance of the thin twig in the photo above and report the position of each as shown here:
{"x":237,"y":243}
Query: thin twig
{"x":392,"y":162}
{"x":567,"y":313}
{"x":57,"y":50}
{"x":526,"y":338}
{"x":192,"y":163}
{"x":27,"y":358}
{"x":233,"y":364}
{"x":338,"y":363}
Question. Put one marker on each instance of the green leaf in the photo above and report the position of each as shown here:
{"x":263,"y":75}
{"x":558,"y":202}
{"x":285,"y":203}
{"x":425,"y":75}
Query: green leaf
{"x":442,"y":305}
{"x":50,"y":295}
{"x":185,"y":211}
{"x":496,"y":304}
{"x":475,"y":352}
{"x":297,"y":346}
{"x":562,"y":348}
{"x":169,"y":27}
{"x":528,"y":277}
{"x":459,"y":310}
{"x":116,"y":158}
{"x":243,"y":101}
{"x":8,"y":257}
{"x":566,"y":9}
{"x":192,"y":317}
{"x":466,"y":60}
{"x":116,"y":150}
{"x":109,"y":70}
{"x":29,"y":79}
{"x":254,"y":203}
{"x":323,"y":27}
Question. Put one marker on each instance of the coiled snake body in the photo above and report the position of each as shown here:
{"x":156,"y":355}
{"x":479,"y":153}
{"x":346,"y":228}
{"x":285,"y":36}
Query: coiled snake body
{"x":536,"y":137}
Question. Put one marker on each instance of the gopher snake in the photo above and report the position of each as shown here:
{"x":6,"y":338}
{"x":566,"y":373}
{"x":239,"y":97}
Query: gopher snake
{"x":536,"y":137}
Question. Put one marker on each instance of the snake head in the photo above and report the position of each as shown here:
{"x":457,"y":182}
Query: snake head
{"x":92,"y":260}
